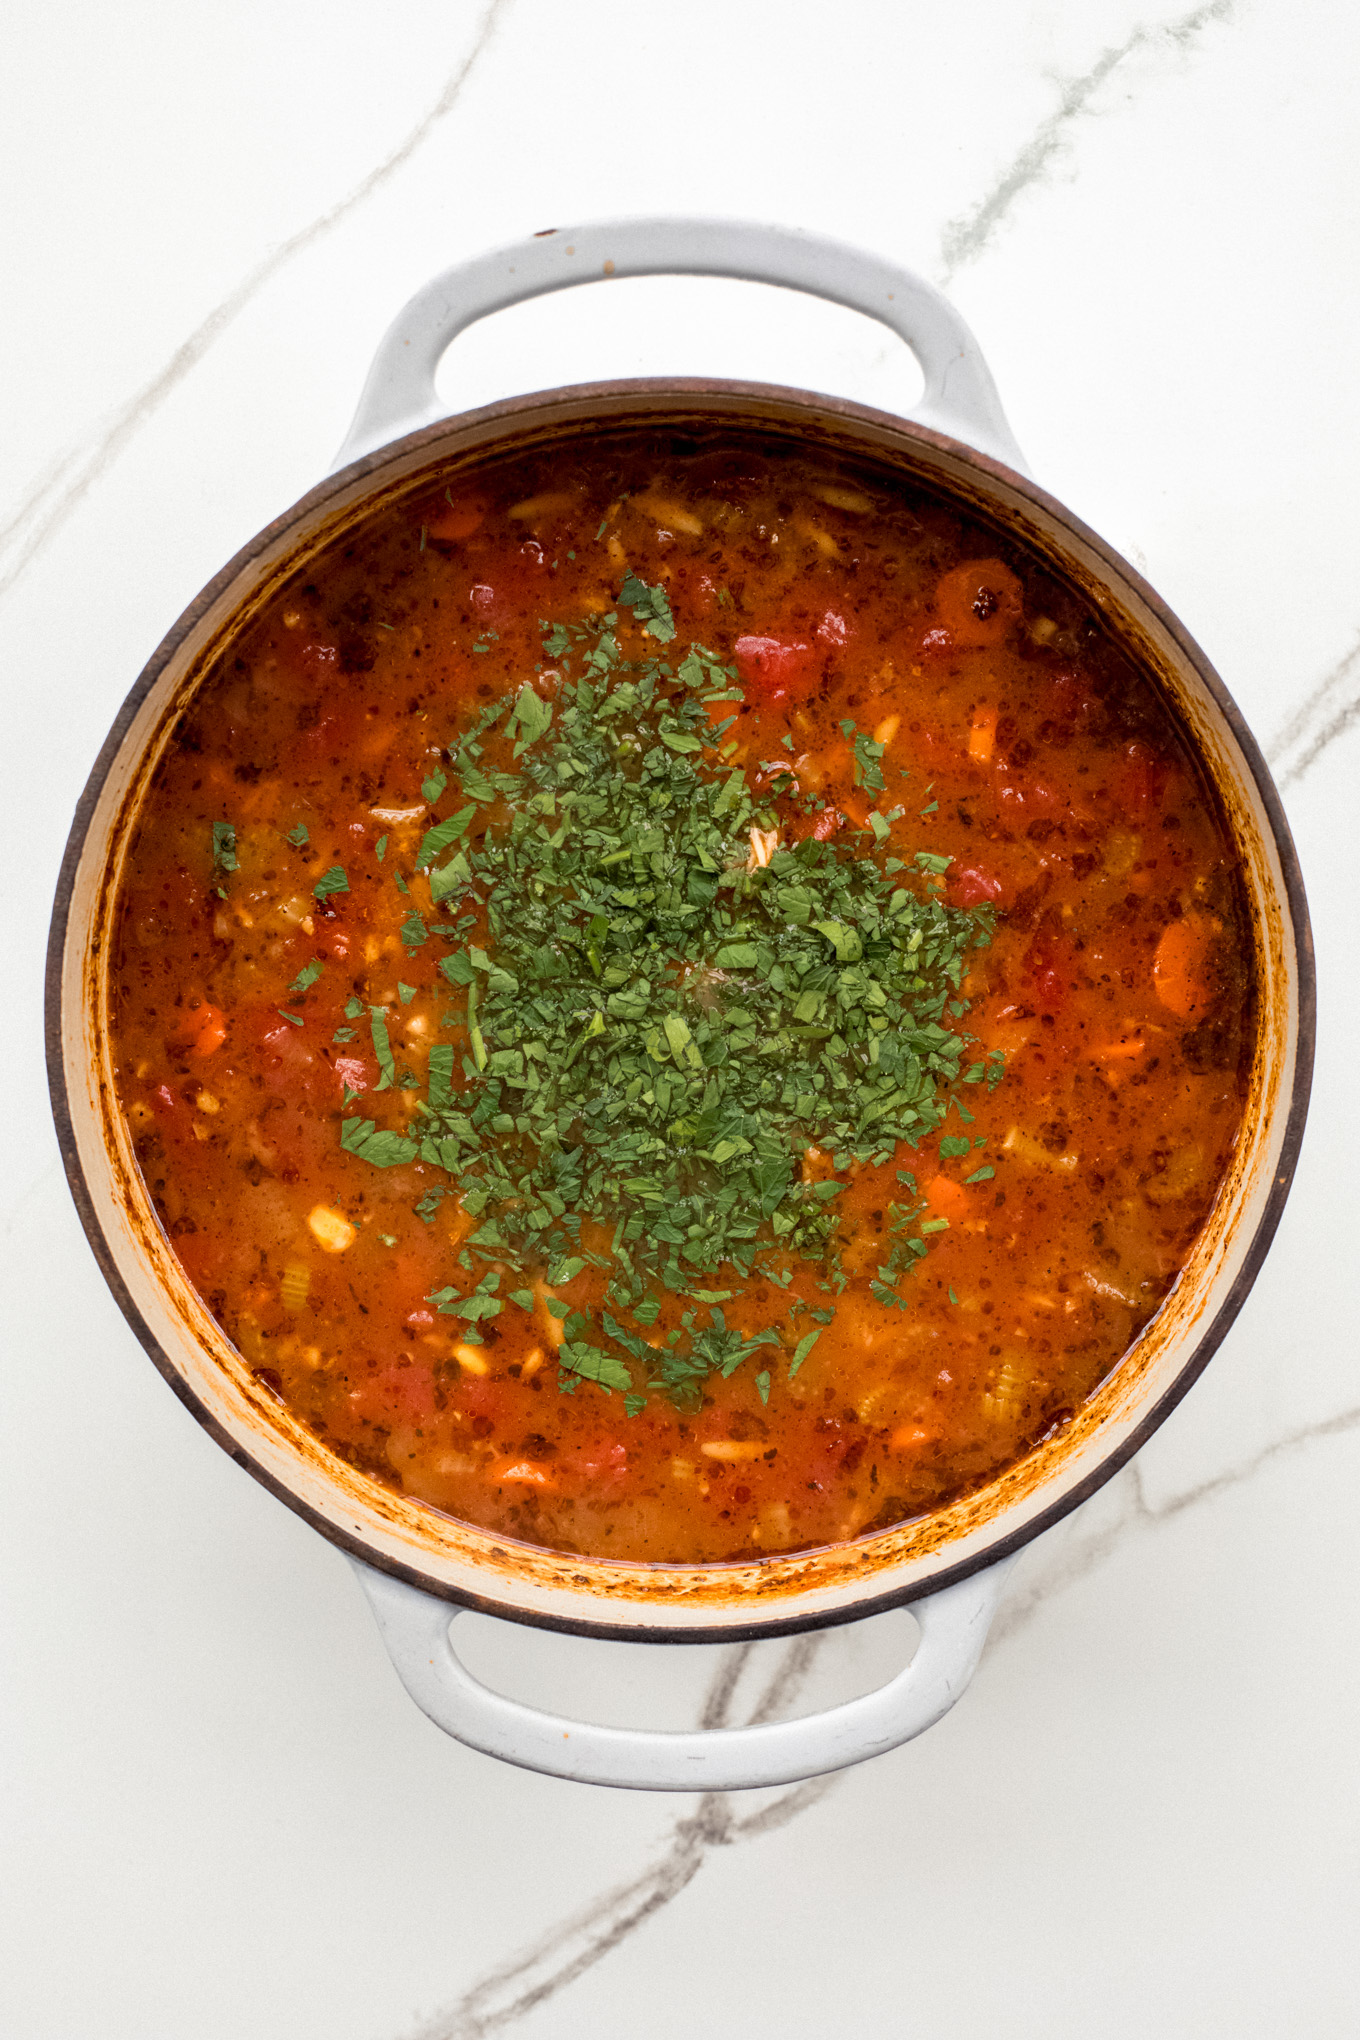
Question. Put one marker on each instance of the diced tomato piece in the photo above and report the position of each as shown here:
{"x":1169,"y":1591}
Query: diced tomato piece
{"x":1040,"y":794}
{"x":942,"y":754}
{"x":970,"y":885}
{"x":511,"y":587}
{"x":776,"y":667}
{"x":450,"y":522}
{"x":1139,"y":779}
{"x":288,"y":1062}
{"x":394,"y":1393}
{"x":829,"y":1448}
{"x":318,"y":658}
{"x":1049,"y":966}
{"x":946,"y":1198}
{"x":479,"y":1398}
{"x":604,"y":1463}
{"x":975,"y":605}
{"x":328,"y":737}
{"x":206,"y":1254}
{"x":210,"y":1030}
{"x":821,"y":827}
{"x":1181,"y":967}
{"x":936,"y":644}
{"x":1067,"y":698}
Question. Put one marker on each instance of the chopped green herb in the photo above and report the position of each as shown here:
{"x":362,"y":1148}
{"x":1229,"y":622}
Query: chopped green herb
{"x":223,"y":846}
{"x":298,"y":836}
{"x":649,"y":1033}
{"x":332,"y":881}
{"x":430,"y":1203}
{"x":384,"y":1150}
{"x":801,"y":1351}
{"x":439,"y":838}
{"x":382,"y":1048}
{"x":308,"y":975}
{"x":650,"y":607}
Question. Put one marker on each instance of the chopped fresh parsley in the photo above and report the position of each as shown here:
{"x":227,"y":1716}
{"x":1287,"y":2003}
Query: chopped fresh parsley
{"x":651,"y":1027}
{"x":307,"y":976}
{"x":385,"y":1150}
{"x":223,"y":846}
{"x":382,"y":1048}
{"x":650,"y":606}
{"x":332,"y":881}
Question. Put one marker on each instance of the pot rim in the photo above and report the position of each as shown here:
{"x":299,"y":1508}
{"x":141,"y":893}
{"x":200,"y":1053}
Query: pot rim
{"x":726,"y":396}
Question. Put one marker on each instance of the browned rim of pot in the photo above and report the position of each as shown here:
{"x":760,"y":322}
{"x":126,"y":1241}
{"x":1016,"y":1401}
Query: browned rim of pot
{"x":845,"y":428}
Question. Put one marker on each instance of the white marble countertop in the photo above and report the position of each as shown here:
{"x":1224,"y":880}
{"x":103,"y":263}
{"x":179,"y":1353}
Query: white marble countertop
{"x":222,"y":1815}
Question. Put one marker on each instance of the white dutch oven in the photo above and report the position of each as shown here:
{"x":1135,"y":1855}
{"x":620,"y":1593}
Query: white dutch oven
{"x":419,"y":1569}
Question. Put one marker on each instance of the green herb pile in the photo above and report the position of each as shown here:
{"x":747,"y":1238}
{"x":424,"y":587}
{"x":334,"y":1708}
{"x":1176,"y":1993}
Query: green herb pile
{"x":653,"y":1026}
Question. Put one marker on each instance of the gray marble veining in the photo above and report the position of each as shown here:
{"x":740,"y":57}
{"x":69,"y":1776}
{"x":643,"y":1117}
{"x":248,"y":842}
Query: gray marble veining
{"x":1326,"y":713}
{"x":969,"y":235}
{"x":54,"y":495}
{"x":589,"y":1934}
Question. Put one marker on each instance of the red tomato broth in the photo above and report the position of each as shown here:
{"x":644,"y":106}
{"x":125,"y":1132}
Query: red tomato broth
{"x":1024,"y":747}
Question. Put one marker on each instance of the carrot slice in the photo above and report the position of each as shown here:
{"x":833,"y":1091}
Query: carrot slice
{"x":947,"y":1198}
{"x":1180,"y":967}
{"x":456,"y":520}
{"x":982,"y":734}
{"x":210,"y":1030}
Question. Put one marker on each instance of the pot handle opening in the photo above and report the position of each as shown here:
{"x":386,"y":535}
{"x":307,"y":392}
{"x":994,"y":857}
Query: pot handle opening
{"x":415,"y":1627}
{"x":960,"y":397}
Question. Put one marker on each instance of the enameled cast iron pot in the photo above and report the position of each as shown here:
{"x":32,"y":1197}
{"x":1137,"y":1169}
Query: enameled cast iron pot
{"x":417,"y":1568}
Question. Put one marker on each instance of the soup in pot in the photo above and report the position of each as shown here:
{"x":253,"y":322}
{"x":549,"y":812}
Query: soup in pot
{"x":677,"y":1003}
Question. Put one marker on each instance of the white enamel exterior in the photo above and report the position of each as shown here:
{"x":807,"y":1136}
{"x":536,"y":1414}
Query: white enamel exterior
{"x":399,"y":396}
{"x":417,"y":1629}
{"x":959,"y":398}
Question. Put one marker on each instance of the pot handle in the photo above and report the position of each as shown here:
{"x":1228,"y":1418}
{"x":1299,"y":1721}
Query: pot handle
{"x":415,"y":1627}
{"x":960,"y":397}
